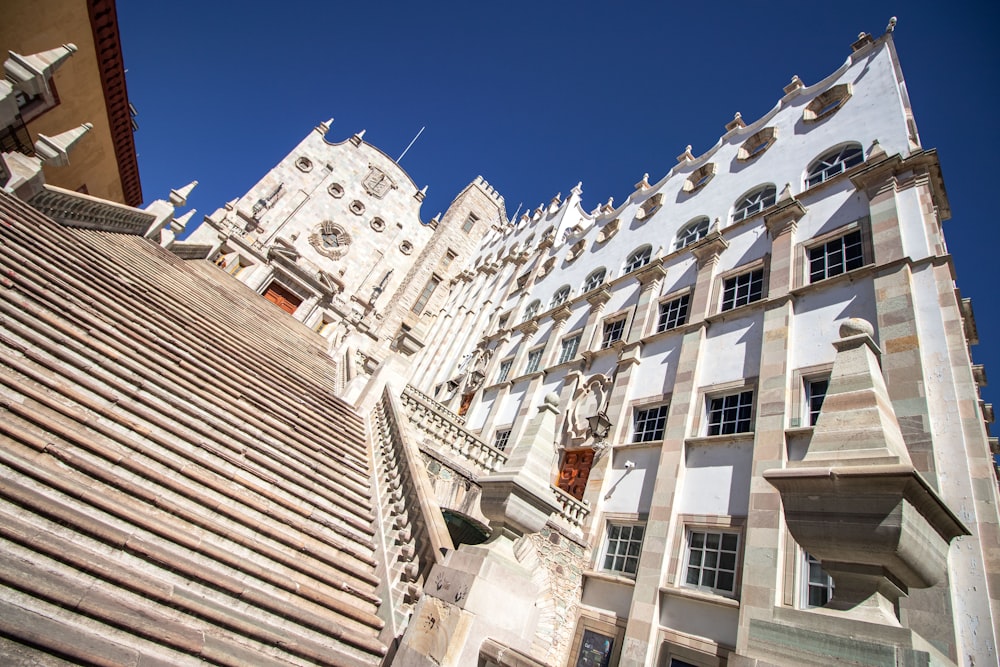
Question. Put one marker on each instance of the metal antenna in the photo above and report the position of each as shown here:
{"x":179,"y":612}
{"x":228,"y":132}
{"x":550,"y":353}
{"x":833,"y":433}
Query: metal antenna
{"x":411,"y":143}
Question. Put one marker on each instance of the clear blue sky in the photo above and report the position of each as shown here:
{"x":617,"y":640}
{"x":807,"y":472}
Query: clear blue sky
{"x":536,"y":96}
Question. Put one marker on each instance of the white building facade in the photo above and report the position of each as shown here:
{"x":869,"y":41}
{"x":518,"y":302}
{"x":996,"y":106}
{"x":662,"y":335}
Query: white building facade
{"x":690,"y":334}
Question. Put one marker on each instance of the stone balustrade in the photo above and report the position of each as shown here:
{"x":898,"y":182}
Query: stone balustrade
{"x":442,"y":427}
{"x":74,"y":209}
{"x":446,"y":431}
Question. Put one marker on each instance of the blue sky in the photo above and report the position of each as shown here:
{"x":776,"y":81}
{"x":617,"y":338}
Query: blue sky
{"x":538,"y":96}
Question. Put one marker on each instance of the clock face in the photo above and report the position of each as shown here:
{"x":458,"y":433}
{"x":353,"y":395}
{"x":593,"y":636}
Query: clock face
{"x":330,"y":239}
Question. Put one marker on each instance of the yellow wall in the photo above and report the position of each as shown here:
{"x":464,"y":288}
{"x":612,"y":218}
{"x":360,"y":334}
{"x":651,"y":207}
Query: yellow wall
{"x":30,"y":26}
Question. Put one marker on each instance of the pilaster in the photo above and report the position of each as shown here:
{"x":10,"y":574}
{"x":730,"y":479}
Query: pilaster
{"x":639,"y":648}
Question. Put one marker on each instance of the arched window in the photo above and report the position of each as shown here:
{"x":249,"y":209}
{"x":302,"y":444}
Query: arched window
{"x":835,"y":162}
{"x":754,"y":202}
{"x":693,"y":231}
{"x":638,"y":259}
{"x":531,"y":310}
{"x":560,"y":296}
{"x":594,"y":280}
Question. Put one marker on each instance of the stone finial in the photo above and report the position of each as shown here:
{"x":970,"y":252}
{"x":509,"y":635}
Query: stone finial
{"x":8,"y":104}
{"x":857,"y":422}
{"x":323,"y":128}
{"x":32,"y":73}
{"x":643,"y":184}
{"x":55,"y":150}
{"x":786,"y":193}
{"x":716,"y":226}
{"x":577,"y":190}
{"x":736,"y":122}
{"x":795,"y":84}
{"x":179,"y":224}
{"x":518,"y":499}
{"x":875,"y":150}
{"x":686,"y":156}
{"x":892,"y":25}
{"x":610,"y":206}
{"x":419,"y":196}
{"x":358,"y":137}
{"x":179,"y":197}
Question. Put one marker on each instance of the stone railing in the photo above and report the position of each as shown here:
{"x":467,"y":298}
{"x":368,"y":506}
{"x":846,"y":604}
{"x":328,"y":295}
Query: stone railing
{"x":441,"y":427}
{"x":74,"y":209}
{"x":573,"y":512}
{"x":445,"y":434}
{"x":427,"y":400}
{"x":413,"y":531}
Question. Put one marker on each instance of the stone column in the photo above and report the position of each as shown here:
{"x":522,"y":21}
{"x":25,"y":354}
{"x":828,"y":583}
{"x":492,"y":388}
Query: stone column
{"x":764,"y":534}
{"x":646,"y":309}
{"x":639,"y":649}
{"x":486,"y":592}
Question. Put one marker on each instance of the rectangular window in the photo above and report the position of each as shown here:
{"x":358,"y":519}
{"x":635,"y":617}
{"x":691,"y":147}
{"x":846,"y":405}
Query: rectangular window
{"x":817,"y":585}
{"x":649,"y":424}
{"x":425,"y":295}
{"x":711,"y":561}
{"x":730,"y":414}
{"x":743,"y":289}
{"x":815,"y":393}
{"x":502,"y":321}
{"x":569,"y":348}
{"x":837,"y":256}
{"x":673,"y":313}
{"x":469,"y":223}
{"x":534,"y":360}
{"x":501,"y":439}
{"x":448,"y":258}
{"x":622,"y":548}
{"x":504,"y":370}
{"x":612,"y":333}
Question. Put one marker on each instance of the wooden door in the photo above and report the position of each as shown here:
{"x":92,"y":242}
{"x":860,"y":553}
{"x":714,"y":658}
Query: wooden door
{"x":282,"y":297}
{"x":575,"y":470}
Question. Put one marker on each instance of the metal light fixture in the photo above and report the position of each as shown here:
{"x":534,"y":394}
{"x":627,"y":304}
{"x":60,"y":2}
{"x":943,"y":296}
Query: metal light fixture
{"x":600,"y":428}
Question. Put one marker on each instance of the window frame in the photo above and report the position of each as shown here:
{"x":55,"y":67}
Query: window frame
{"x":660,"y":325}
{"x":757,"y":144}
{"x":534,"y":359}
{"x":419,"y":306}
{"x":763,"y":196}
{"x":501,"y":439}
{"x":811,"y":412}
{"x":806,"y":564}
{"x":689,"y":542}
{"x":831,"y":158}
{"x":683,"y":238}
{"x":803,"y":272}
{"x":563,"y":358}
{"x":563,"y":292}
{"x":612,"y":321}
{"x":700,"y":177}
{"x":610,"y":524}
{"x":638,"y":258}
{"x":710,"y":409}
{"x":470,"y":222}
{"x":531,"y":310}
{"x":598,"y":277}
{"x":736,"y":275}
{"x":643,"y":413}
{"x":503,"y":370}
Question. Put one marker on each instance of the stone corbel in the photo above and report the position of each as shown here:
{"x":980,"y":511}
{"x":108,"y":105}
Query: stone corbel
{"x":784,"y":217}
{"x":600,"y":297}
{"x":651,"y":275}
{"x":709,"y":248}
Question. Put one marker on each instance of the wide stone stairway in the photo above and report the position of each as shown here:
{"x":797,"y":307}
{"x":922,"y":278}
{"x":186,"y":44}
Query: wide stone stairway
{"x":178,"y":483}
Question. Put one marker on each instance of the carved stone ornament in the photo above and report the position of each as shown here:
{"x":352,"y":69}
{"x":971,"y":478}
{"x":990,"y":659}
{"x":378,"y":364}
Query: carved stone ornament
{"x":377,"y":183}
{"x":330,"y":240}
{"x":588,"y":399}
